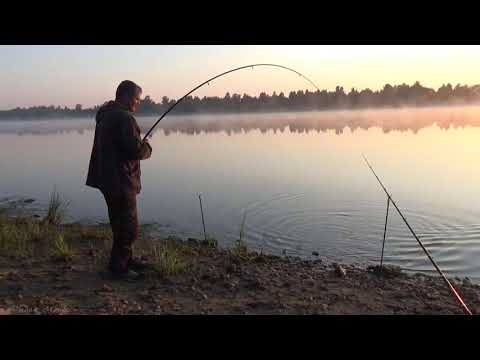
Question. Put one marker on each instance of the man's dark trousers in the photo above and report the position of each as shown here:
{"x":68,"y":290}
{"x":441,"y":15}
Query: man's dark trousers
{"x":122,"y":212}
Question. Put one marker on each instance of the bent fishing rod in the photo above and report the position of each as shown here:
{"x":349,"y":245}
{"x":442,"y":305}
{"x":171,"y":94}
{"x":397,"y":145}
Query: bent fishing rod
{"x":222,"y":74}
{"x":457,"y":295}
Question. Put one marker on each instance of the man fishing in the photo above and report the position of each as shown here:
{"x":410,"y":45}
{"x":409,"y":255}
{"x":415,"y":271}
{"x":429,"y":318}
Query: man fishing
{"x":114,"y":169}
{"x":115,"y":166}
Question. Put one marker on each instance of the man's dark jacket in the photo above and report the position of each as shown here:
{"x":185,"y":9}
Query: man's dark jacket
{"x":117,"y":150}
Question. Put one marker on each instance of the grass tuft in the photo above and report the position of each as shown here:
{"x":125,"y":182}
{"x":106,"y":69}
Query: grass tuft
{"x":59,"y":248}
{"x":57,"y":209}
{"x":167,"y":259}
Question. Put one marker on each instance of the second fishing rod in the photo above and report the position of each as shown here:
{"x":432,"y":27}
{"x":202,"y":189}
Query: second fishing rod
{"x":452,"y":289}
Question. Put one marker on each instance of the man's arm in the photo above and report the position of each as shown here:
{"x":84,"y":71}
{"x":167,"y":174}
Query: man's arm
{"x":130,"y":141}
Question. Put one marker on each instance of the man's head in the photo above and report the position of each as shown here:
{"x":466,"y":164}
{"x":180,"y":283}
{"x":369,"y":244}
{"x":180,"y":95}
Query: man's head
{"x":128,"y":94}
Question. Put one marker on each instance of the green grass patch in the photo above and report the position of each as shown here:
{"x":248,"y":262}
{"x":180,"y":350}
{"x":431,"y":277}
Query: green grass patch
{"x":59,"y":248}
{"x":17,"y":235}
{"x":167,"y":259}
{"x":210,"y":242}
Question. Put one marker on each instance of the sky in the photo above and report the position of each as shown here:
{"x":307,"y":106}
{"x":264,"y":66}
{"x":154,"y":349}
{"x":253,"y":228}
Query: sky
{"x":88,"y":75}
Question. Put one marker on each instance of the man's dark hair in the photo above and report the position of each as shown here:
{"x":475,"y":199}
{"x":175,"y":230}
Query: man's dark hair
{"x":128,"y":88}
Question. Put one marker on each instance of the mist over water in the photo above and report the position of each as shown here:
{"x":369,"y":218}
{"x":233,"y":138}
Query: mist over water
{"x":400,"y":119}
{"x":299,"y":177}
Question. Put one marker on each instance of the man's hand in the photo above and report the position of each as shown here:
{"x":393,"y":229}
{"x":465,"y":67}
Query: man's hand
{"x":149,"y":147}
{"x":147,"y":143}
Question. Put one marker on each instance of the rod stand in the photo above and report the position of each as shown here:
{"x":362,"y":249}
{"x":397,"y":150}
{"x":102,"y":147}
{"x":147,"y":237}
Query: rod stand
{"x":385,"y":232}
{"x":203,"y":220}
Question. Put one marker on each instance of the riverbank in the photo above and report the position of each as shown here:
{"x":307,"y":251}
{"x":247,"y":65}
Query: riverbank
{"x":48,"y":268}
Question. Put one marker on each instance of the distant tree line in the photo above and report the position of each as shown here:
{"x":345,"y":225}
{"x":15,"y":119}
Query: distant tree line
{"x":38,"y":112}
{"x":390,"y":96}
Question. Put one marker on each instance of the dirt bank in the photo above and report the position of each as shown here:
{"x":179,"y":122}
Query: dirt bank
{"x":192,"y":277}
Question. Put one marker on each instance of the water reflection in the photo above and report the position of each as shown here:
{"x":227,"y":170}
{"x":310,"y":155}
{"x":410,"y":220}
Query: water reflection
{"x":401,"y":120}
{"x":305,"y":189}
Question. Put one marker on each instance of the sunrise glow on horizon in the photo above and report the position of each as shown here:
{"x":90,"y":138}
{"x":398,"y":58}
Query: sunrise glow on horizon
{"x":88,"y":75}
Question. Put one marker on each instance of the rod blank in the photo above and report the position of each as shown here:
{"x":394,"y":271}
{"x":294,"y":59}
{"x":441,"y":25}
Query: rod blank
{"x":213,"y":78}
